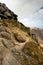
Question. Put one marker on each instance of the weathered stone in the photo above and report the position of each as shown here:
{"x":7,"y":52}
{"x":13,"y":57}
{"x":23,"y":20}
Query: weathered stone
{"x":8,"y":43}
{"x":5,"y":35}
{"x":6,"y":12}
{"x":3,"y":16}
{"x":19,"y":38}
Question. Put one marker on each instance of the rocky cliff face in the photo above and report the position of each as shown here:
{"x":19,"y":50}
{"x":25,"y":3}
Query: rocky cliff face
{"x":17,"y":47}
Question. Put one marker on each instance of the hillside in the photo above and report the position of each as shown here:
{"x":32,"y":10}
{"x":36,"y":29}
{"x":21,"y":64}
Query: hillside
{"x":17,"y":47}
{"x":39,"y":34}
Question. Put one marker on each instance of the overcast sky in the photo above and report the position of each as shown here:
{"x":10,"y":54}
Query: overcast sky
{"x":30,"y":12}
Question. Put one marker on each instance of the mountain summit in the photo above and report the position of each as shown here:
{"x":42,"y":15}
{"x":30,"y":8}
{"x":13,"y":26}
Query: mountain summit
{"x":6,"y":13}
{"x":17,"y":45}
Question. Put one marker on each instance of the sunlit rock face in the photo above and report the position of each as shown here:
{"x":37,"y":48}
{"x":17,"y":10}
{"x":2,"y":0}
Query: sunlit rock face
{"x":17,"y":47}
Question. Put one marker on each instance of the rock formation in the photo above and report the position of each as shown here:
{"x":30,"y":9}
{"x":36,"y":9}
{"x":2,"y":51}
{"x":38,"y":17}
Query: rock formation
{"x":17,"y":47}
{"x":6,"y":13}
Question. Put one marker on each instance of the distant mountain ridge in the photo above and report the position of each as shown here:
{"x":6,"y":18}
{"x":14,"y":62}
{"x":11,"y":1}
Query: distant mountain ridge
{"x":39,"y":34}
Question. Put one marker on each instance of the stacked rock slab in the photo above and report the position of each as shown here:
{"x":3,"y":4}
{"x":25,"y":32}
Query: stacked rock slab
{"x":6,"y":12}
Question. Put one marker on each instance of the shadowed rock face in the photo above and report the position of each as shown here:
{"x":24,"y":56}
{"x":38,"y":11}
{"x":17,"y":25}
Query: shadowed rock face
{"x":17,"y":47}
{"x":6,"y":13}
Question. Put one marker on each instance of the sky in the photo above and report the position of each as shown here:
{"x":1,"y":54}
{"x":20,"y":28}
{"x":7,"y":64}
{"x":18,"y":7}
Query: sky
{"x":30,"y":12}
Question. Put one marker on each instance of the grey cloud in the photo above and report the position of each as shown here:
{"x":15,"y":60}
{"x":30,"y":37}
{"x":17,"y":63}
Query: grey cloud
{"x":38,"y":14}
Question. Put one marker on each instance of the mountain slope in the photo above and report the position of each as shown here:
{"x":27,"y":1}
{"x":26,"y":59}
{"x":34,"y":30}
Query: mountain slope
{"x":39,"y":33}
{"x":17,"y":47}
